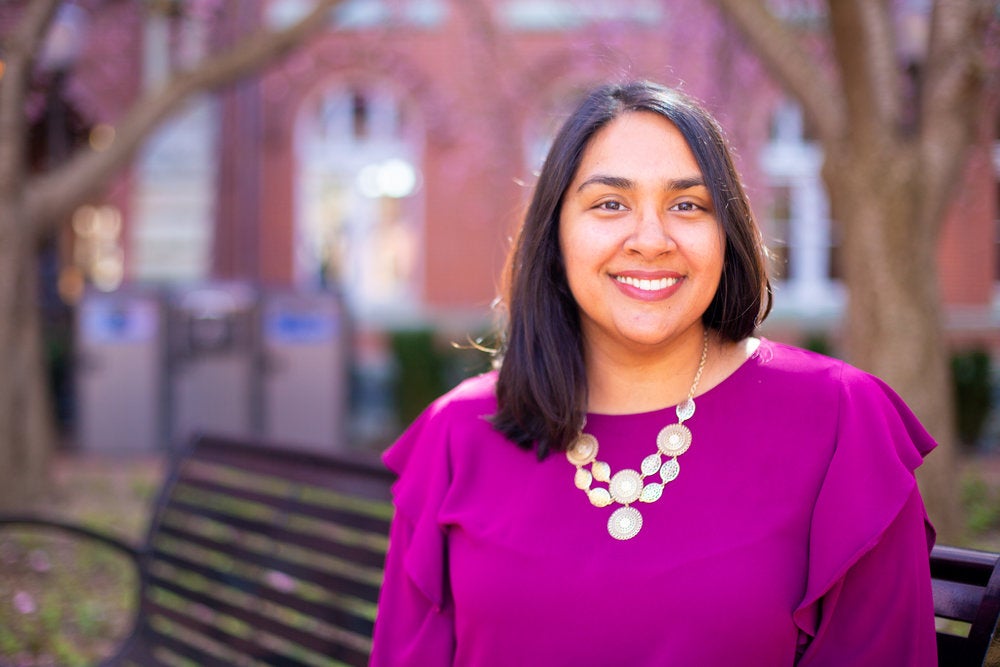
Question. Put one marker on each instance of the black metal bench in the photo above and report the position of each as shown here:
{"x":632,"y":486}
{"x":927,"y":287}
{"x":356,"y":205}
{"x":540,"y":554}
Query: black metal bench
{"x":263,"y":555}
{"x":257,"y":555}
{"x":967,"y":594}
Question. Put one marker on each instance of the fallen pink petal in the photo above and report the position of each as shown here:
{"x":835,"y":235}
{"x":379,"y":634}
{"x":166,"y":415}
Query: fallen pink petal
{"x":25,"y":603}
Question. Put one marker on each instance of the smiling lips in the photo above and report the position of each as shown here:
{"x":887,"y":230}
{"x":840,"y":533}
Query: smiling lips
{"x":647,"y":285}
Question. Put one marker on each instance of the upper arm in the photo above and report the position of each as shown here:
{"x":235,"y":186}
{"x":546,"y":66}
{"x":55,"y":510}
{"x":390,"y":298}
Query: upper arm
{"x":881,"y":612}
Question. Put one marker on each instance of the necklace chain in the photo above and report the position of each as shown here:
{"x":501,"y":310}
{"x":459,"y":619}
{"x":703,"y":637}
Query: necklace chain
{"x":628,"y":486}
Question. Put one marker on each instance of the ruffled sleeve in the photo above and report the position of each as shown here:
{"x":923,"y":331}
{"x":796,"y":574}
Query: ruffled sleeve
{"x":868,"y":594}
{"x":415,"y":623}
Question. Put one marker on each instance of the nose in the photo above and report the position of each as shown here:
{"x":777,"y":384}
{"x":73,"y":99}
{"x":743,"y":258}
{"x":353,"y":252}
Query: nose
{"x":650,"y":235}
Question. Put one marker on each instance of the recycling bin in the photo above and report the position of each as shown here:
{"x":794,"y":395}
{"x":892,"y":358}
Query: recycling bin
{"x":304,"y":383}
{"x":213,"y":362}
{"x":120,"y":371}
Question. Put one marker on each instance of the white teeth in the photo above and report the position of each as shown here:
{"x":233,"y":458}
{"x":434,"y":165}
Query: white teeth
{"x":647,"y":285}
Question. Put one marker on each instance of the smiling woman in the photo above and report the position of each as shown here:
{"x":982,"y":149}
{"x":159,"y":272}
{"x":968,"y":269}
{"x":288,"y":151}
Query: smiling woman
{"x":635,"y":289}
{"x":642,"y":249}
{"x":545,"y":385}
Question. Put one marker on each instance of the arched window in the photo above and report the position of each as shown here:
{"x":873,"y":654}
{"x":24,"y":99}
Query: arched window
{"x":169,"y":236}
{"x":358,"y":221}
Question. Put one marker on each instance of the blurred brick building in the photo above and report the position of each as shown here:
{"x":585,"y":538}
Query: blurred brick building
{"x":391,"y":158}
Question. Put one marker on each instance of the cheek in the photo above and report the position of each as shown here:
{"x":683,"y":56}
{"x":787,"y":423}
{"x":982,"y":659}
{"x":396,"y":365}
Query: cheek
{"x":719,"y":264}
{"x":568,"y":259}
{"x":703,"y":247}
{"x":565,"y":252}
{"x":719,"y":254}
{"x":575,"y":250}
{"x":715,"y":249}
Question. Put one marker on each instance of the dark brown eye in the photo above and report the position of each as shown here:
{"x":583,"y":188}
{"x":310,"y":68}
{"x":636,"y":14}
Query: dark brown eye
{"x":686,"y":206}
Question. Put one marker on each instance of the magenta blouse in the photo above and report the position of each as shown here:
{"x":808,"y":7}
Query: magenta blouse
{"x":793,"y":535}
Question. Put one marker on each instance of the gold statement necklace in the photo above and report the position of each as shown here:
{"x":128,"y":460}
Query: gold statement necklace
{"x":627,"y":486}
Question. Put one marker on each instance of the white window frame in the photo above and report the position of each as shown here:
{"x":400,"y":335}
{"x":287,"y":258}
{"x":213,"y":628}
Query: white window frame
{"x":788,"y":160}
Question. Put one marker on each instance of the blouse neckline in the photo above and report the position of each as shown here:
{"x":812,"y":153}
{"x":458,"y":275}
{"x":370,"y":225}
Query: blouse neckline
{"x":752,"y":361}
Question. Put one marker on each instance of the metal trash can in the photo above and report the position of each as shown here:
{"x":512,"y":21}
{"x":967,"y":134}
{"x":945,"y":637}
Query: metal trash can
{"x":120,"y":371}
{"x":304,"y":390}
{"x":213,"y":362}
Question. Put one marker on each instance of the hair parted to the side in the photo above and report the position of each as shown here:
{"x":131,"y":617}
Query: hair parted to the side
{"x":541,"y":388}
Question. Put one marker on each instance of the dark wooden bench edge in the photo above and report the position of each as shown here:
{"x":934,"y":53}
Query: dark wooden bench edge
{"x":980,"y":569}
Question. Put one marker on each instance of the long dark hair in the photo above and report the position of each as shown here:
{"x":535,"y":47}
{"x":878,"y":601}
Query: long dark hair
{"x":542,"y":389}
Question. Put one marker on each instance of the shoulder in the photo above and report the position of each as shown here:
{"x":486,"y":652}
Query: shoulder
{"x":806,"y":368}
{"x":859,"y":400}
{"x":475,"y":395}
{"x":459,"y":415}
{"x":792,"y":376}
{"x":800,"y":369}
{"x":798,"y":365}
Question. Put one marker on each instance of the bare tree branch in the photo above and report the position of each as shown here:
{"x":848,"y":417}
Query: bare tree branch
{"x":953,"y":87}
{"x":25,"y":41}
{"x":864,"y":44}
{"x":19,"y":53}
{"x":786,"y":59}
{"x":52,"y":196}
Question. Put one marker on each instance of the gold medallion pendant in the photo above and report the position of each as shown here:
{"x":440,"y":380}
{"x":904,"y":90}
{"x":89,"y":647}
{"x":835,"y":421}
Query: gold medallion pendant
{"x":625,"y":523}
{"x":628,"y":486}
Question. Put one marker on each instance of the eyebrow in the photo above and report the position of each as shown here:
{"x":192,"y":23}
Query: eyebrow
{"x":622,"y":183}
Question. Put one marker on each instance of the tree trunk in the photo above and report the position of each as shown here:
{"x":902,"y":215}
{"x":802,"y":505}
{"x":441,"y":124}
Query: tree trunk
{"x":26,"y":422}
{"x":894,"y":324}
{"x":892,"y":154}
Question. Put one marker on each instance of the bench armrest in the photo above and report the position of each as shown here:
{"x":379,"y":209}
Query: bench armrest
{"x":966,"y":584}
{"x":27,"y":520}
{"x":13,"y":521}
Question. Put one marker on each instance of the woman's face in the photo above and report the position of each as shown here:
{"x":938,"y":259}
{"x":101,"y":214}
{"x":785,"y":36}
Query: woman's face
{"x":641,"y":244}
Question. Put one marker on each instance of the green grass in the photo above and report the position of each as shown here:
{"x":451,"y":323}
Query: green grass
{"x":69,"y":601}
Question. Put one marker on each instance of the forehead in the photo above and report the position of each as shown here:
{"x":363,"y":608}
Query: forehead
{"x":637,"y":143}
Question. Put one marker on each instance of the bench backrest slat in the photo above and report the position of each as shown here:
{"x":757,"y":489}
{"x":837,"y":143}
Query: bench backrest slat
{"x":255,"y":620}
{"x":345,"y":514}
{"x":333,"y":603}
{"x":262,"y":555}
{"x":199,"y":640}
{"x":256,"y":536}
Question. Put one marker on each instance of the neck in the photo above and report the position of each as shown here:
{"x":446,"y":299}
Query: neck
{"x":623,"y":382}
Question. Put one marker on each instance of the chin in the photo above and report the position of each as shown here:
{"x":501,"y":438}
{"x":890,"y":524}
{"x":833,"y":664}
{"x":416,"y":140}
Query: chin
{"x":651,"y":341}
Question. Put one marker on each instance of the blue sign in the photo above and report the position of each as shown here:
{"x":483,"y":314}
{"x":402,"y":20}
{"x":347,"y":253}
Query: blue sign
{"x":301,"y":327}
